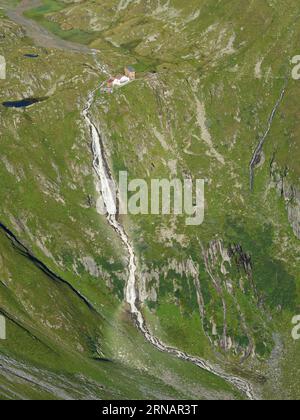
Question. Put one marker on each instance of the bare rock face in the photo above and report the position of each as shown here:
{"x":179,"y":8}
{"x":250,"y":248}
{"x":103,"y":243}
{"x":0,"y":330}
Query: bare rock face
{"x":294,"y":210}
{"x":291,"y":195}
{"x":221,"y":283}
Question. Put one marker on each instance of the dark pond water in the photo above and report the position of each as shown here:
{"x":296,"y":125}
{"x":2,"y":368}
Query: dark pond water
{"x":23,"y":103}
{"x":31,"y":55}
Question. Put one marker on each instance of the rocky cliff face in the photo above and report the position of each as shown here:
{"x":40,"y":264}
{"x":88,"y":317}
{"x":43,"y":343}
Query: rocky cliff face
{"x":290,"y":194}
{"x":218,"y":285}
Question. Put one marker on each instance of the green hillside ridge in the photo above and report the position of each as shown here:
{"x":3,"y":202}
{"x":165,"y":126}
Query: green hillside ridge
{"x":208,"y":77}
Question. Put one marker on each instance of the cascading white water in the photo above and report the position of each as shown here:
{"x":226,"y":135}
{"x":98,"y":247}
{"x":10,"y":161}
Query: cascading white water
{"x":107,"y":188}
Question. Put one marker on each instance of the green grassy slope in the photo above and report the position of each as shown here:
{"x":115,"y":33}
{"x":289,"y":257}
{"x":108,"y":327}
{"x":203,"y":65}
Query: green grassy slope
{"x":48,"y":202}
{"x":219,"y":61}
{"x":209,"y":76}
{"x":57,"y":344}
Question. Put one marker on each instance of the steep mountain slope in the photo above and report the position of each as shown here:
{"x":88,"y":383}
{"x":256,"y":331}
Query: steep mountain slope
{"x":57,"y":345}
{"x":210,"y":75}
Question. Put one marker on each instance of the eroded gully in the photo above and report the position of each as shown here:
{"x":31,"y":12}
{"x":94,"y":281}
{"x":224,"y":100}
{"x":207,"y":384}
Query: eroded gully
{"x":107,"y":187}
{"x":259,"y":148}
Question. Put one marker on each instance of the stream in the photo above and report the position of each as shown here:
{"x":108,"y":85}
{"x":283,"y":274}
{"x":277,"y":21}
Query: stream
{"x":257,"y":153}
{"x":107,"y":188}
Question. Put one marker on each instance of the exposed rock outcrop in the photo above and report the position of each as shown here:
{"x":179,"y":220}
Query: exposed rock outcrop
{"x":221,"y":284}
{"x":290,"y":193}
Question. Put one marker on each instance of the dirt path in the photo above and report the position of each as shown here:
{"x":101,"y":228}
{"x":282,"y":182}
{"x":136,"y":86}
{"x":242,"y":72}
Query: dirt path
{"x":41,"y":36}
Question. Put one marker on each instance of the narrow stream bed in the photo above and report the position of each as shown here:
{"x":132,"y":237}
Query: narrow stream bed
{"x":256,"y":158}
